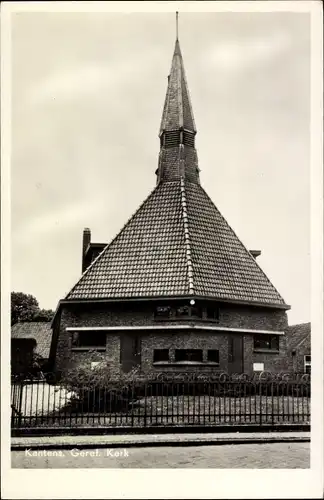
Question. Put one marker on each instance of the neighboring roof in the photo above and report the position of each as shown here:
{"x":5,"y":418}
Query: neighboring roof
{"x":177,"y":243}
{"x":177,"y":111}
{"x":297,"y":334}
{"x":41,"y":331}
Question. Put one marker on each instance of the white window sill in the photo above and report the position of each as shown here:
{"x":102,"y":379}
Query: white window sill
{"x":85,"y":349}
{"x":185,"y":363}
{"x":186,"y":318}
{"x":267,"y":351}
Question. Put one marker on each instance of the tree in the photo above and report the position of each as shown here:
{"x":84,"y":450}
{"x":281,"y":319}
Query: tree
{"x":44,"y":315}
{"x":24,"y":307}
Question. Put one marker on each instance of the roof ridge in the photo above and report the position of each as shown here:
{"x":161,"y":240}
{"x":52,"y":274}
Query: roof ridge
{"x":254,"y":260}
{"x":112,"y":241}
{"x":187,"y":236}
{"x":301,"y":340}
{"x":184,"y":76}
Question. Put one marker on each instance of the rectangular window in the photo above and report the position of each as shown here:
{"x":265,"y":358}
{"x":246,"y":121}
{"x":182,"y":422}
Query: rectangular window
{"x":136,"y":346}
{"x":196,"y":312}
{"x":307,"y":363}
{"x":267,"y":342}
{"x":212,"y":313}
{"x":89,"y":340}
{"x":163,"y":312}
{"x":213,"y":355}
{"x":189,"y":355}
{"x":183,"y":311}
{"x":160,"y":355}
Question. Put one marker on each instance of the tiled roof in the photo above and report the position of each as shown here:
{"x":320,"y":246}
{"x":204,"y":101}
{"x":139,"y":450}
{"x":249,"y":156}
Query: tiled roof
{"x":177,"y":111}
{"x":41,"y":331}
{"x":177,"y":243}
{"x":296,"y":334}
{"x":147,"y":258}
{"x":223,"y":267}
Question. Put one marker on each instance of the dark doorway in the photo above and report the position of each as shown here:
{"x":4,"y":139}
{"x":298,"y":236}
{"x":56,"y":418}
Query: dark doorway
{"x":235,"y":354}
{"x":130,"y":351}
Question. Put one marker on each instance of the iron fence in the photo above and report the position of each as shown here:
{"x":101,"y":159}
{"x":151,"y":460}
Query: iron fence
{"x":163,"y":401}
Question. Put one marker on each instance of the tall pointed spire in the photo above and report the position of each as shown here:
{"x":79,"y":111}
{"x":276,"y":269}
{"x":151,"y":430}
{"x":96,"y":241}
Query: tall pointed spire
{"x":177,"y":111}
{"x":178,"y":157}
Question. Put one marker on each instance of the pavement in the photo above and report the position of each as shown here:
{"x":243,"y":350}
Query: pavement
{"x":288,"y":455}
{"x":154,"y":440}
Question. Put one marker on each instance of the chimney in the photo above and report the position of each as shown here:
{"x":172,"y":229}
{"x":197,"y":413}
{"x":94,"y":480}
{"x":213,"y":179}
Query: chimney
{"x":85,"y":243}
{"x":255,"y":253}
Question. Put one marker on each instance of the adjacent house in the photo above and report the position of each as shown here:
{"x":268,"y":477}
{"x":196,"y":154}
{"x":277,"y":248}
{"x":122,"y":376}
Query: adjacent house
{"x":27,"y":340}
{"x":176,"y":289}
{"x":299,"y":347}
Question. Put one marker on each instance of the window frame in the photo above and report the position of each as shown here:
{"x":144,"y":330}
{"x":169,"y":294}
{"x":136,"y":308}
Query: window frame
{"x":95,"y":347}
{"x":189,"y":354}
{"x":307,"y":363}
{"x":196,"y":312}
{"x":211,"y":360}
{"x":161,"y":360}
{"x":215,"y":313}
{"x":262,"y":337}
{"x":166,"y":316}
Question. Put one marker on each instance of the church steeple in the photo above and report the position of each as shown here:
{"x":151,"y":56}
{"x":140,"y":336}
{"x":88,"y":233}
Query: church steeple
{"x":178,"y":157}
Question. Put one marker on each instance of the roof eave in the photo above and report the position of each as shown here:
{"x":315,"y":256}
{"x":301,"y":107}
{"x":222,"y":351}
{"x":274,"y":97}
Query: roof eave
{"x":175,"y":297}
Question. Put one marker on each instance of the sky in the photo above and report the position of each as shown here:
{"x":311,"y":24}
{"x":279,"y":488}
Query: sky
{"x":87,"y":92}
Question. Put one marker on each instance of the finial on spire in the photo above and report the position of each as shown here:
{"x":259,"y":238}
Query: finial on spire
{"x":177,"y":15}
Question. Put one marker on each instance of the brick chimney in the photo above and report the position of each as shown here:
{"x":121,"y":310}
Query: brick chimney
{"x":85,"y":243}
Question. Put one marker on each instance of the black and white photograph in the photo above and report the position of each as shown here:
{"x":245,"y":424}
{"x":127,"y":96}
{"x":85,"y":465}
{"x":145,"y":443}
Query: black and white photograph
{"x":163,"y":294}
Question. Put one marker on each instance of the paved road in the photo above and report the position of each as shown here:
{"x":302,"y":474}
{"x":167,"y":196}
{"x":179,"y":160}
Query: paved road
{"x":239,"y":456}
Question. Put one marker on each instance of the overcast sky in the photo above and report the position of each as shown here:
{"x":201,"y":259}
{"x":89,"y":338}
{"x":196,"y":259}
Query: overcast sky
{"x":87,"y":97}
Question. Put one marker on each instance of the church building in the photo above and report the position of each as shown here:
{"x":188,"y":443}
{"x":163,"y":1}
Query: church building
{"x":175,"y":290}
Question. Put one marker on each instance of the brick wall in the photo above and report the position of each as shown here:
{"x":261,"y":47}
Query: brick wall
{"x":296,"y":362}
{"x":182,"y":340}
{"x":141,"y":313}
{"x":272,"y":362}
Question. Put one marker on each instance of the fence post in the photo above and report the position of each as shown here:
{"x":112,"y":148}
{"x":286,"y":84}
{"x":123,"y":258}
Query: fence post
{"x":260,"y":394}
{"x":272,"y":412}
{"x":145,"y":403}
{"x":20,"y":404}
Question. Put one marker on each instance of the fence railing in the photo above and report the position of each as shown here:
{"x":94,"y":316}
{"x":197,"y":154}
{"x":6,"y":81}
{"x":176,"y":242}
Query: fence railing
{"x":163,"y":401}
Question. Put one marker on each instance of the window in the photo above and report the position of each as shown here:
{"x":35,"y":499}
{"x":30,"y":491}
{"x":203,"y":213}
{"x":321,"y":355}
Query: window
{"x":187,"y":311}
{"x":183,"y":311}
{"x":163,"y":312}
{"x":267,"y":342}
{"x":212,"y":313}
{"x":213,"y":355}
{"x":89,"y":340}
{"x":160,"y":355}
{"x":188,"y":355}
{"x":136,"y":346}
{"x":196,"y":312}
{"x":307,"y":363}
